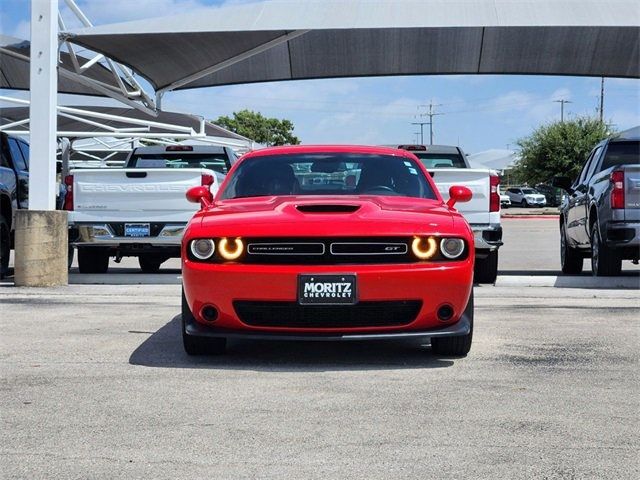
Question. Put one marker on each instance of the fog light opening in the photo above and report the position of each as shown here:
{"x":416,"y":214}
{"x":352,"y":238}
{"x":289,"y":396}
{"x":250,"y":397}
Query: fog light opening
{"x":209,"y":313}
{"x":445,"y":313}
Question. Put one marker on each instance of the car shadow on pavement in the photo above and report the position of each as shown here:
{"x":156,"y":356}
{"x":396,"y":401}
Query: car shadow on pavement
{"x":164,"y":349}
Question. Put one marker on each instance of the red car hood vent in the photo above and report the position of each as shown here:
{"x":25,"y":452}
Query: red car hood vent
{"x":327,"y":208}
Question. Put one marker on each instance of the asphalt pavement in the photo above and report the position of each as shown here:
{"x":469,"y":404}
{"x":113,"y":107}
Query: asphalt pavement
{"x":95,"y":384}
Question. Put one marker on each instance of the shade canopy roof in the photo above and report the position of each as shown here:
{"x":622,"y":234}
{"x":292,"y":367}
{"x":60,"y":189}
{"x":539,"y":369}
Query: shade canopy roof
{"x":13,"y":114}
{"x":289,"y":40}
{"x":14,"y":69}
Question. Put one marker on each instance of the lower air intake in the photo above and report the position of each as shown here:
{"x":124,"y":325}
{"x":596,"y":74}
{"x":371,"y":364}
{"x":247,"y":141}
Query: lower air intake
{"x":363,"y":314}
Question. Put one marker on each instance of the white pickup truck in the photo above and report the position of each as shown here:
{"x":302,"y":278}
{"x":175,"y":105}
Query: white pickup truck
{"x":449,"y":166}
{"x":139,"y":210}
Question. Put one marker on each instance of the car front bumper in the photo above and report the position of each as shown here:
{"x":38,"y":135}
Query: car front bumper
{"x":102,"y":234}
{"x":220,"y":285}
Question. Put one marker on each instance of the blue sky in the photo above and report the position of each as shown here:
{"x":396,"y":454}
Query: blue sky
{"x":478,"y":112}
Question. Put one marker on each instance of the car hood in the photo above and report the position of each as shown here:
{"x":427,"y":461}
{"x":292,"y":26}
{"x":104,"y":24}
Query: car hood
{"x":328,"y":216}
{"x":537,"y":196}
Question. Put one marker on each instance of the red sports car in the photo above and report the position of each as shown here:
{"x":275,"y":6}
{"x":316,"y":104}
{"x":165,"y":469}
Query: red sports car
{"x":327,"y":243}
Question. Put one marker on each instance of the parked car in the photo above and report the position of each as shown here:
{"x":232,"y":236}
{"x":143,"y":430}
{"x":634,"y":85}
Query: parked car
{"x":600,"y":219}
{"x":140,"y":210}
{"x":553,"y":195}
{"x":448,"y":165}
{"x":505,"y":201}
{"x":376,"y":256}
{"x":14,"y":191}
{"x":526,"y":197}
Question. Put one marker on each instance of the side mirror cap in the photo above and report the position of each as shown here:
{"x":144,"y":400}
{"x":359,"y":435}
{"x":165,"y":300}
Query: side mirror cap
{"x":201,"y":195}
{"x":459,"y":193}
{"x":562,"y":182}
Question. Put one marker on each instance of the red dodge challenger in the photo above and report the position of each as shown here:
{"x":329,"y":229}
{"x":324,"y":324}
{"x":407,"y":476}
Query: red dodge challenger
{"x":327,"y":243}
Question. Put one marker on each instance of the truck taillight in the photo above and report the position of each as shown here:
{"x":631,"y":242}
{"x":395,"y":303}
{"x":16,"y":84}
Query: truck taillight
{"x":617,"y":193}
{"x":68,"y":196}
{"x":494,"y":196}
{"x":207,"y":180}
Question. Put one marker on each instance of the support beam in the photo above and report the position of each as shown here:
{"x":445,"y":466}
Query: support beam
{"x":41,"y":240}
{"x":42,"y":111}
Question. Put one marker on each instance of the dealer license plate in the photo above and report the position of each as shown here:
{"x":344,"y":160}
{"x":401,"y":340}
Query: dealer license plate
{"x":137,"y":230}
{"x":327,"y":289}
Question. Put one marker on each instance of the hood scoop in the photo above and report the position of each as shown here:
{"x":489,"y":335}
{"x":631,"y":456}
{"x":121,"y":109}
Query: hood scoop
{"x":328,"y":208}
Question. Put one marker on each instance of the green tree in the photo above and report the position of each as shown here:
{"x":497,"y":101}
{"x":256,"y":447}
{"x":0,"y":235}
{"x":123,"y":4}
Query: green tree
{"x":558,"y":149}
{"x":254,"y":125}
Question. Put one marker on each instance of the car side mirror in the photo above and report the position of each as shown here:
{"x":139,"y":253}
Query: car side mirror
{"x":562,"y":182}
{"x":201,"y":195}
{"x":458,"y":193}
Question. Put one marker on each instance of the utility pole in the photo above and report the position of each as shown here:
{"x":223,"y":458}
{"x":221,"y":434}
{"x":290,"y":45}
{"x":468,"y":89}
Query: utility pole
{"x":602,"y":100}
{"x":562,"y":102}
{"x":422,"y":124}
{"x":430,"y":114}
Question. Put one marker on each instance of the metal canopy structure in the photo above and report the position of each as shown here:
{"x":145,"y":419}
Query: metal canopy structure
{"x":92,"y":122}
{"x":106,"y":134}
{"x":292,"y":40}
{"x":14,"y":69}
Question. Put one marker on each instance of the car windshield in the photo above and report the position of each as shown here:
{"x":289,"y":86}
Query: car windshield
{"x":328,"y":174}
{"x":621,"y":153}
{"x":441,"y":160}
{"x":528,"y":191}
{"x":215,"y":162}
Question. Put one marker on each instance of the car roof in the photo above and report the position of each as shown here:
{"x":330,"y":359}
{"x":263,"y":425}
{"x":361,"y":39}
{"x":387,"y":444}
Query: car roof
{"x":303,"y":149}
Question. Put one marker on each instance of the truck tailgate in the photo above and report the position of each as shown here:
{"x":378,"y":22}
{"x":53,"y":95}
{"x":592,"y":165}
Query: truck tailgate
{"x":632,"y":192}
{"x":476,"y":211}
{"x":135,"y":194}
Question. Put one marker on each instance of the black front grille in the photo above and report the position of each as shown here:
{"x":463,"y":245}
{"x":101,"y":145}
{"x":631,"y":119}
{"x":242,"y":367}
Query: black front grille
{"x":363,"y":314}
{"x":330,"y":251}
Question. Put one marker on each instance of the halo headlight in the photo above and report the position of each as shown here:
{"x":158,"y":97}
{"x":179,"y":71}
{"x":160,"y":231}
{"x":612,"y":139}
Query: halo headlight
{"x":203,"y":248}
{"x":424,"y":248}
{"x":452,"y":247}
{"x":230,"y":249}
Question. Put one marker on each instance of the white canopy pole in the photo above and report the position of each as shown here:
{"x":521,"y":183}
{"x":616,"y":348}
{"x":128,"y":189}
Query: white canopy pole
{"x":43,"y":114}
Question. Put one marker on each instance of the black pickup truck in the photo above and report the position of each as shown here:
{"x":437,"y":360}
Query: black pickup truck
{"x":14,"y":190}
{"x":600,"y":218}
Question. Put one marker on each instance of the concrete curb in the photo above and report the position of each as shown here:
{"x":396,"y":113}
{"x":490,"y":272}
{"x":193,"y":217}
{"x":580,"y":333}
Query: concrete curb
{"x":124,"y":279}
{"x":627,"y":282}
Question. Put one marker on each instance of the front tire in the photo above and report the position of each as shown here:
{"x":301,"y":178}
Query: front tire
{"x":571,"y":260}
{"x":525,"y":204}
{"x":486,"y":269}
{"x":605,"y":261}
{"x":196,"y":346}
{"x":456,"y":346}
{"x":93,"y":259}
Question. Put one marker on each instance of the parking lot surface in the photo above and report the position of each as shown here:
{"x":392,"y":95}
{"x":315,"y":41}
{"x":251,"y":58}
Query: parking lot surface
{"x":96,"y":385}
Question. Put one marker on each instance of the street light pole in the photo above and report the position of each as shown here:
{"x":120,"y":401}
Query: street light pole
{"x":430,"y":114}
{"x":422,"y":124}
{"x":562,"y":102}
